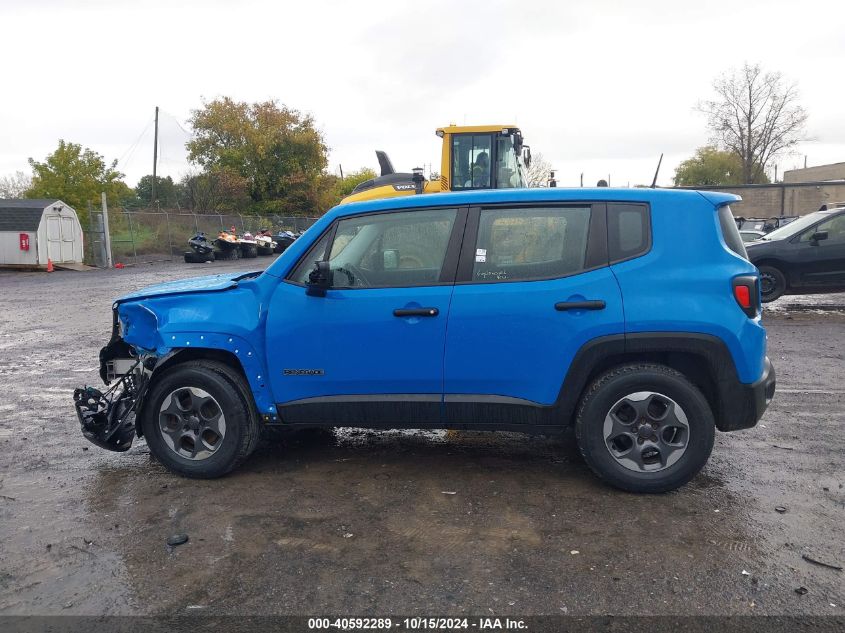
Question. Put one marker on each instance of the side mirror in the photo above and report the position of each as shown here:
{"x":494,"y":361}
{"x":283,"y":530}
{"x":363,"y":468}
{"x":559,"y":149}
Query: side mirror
{"x":818,"y":236}
{"x":526,"y":156}
{"x":390,"y":259}
{"x":319,"y":279}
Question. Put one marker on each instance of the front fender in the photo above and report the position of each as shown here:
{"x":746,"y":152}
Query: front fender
{"x":251,"y":362}
{"x":230,"y":321}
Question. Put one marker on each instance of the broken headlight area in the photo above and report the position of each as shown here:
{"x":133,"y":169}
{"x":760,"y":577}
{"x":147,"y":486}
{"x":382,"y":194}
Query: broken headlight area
{"x":108,"y":417}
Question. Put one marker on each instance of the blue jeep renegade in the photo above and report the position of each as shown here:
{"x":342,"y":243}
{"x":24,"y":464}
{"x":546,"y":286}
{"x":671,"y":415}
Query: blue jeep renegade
{"x":632,"y":315}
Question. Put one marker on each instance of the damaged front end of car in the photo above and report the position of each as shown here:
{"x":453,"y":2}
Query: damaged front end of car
{"x":107,"y":417}
{"x":157,"y":326}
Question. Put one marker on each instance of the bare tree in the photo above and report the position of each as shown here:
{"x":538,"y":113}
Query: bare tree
{"x":756,"y":116}
{"x":15,"y":185}
{"x":539,"y":171}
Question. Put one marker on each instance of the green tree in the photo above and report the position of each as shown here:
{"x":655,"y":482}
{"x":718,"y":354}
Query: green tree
{"x":213,"y":191}
{"x":15,"y":185}
{"x":710,"y":167}
{"x":77,"y":176}
{"x":278,"y":152}
{"x":351,"y":180}
{"x":167,"y":191}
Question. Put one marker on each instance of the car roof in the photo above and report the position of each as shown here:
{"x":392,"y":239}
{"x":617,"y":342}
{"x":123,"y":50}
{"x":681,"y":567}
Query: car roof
{"x":543,"y":194}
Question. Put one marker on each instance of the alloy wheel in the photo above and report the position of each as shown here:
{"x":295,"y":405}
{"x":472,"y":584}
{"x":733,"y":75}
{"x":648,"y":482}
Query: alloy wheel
{"x":192,"y":423}
{"x":646,"y":431}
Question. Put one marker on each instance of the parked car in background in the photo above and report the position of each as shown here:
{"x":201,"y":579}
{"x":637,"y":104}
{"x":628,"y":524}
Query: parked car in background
{"x":751,"y":236}
{"x":528,"y":310}
{"x":805,"y":256}
{"x":764,"y":225}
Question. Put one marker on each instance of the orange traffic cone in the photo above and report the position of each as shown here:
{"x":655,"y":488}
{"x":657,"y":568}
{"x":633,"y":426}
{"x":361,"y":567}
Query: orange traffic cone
{"x":49,"y":265}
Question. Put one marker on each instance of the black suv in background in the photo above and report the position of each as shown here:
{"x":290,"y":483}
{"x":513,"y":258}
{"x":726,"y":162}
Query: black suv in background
{"x":805,"y":256}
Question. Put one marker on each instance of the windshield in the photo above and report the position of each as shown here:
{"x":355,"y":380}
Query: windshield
{"x":509,"y":173}
{"x":795,"y":227}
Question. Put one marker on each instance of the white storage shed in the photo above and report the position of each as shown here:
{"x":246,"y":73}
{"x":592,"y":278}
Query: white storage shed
{"x":33,"y":231}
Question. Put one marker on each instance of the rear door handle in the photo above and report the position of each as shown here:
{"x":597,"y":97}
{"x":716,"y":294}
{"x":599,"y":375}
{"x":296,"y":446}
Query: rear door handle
{"x":416,"y":312}
{"x":596,"y":304}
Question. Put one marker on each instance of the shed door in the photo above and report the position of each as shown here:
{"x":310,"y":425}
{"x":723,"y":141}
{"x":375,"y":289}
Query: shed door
{"x":67,"y":239}
{"x":54,"y":238}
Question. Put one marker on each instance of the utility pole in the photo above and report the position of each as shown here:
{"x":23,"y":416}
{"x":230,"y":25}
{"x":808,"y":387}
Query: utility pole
{"x":155,"y":159}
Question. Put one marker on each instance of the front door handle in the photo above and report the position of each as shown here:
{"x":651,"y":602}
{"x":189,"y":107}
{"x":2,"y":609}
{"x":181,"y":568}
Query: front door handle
{"x":596,"y":304}
{"x":416,"y":312}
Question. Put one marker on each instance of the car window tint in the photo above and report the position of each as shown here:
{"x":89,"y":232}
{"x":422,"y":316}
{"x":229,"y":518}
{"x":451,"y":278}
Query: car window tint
{"x":391,"y":249}
{"x":628,"y":230}
{"x":525,"y":244}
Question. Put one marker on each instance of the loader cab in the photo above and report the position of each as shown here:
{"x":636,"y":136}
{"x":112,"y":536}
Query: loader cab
{"x":483,"y":157}
{"x":473,"y":157}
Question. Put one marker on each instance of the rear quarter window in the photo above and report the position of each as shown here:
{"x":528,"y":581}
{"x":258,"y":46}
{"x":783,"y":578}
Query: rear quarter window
{"x":628,"y":231}
{"x":730,"y":232}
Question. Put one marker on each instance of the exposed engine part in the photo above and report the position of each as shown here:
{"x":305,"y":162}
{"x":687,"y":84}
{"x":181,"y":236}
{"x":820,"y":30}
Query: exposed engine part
{"x":107,"y":418}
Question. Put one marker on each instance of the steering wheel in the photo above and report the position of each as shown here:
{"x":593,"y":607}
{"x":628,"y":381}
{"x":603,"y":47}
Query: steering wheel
{"x":353,"y":274}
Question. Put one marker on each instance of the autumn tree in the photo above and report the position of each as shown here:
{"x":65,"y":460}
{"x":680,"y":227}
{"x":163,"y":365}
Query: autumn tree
{"x":276,"y":150}
{"x":711,"y":167}
{"x":77,"y":176}
{"x":756,"y":116}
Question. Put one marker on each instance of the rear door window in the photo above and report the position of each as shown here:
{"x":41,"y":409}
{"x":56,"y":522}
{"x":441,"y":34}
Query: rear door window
{"x":526,"y":244}
{"x":628,"y":231}
{"x":730,"y":232}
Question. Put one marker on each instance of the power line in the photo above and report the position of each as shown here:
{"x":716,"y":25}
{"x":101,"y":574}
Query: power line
{"x":134,"y":146}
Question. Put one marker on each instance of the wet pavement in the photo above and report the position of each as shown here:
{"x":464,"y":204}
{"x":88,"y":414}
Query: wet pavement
{"x":406,"y":522}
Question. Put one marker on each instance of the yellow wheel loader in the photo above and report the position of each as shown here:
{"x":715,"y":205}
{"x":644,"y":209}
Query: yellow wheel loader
{"x":473,"y":157}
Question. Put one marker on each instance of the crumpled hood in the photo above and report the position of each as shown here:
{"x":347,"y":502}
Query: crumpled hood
{"x":208,"y":283}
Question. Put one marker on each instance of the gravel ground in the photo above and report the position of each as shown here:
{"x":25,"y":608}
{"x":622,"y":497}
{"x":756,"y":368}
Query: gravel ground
{"x":406,"y":522}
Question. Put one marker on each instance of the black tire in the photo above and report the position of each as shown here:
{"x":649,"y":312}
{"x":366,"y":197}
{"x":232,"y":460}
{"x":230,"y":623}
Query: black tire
{"x":772,"y":283}
{"x":608,"y":391}
{"x":264,"y":251}
{"x":227,"y":255}
{"x":230,"y":392}
{"x":249,"y":252}
{"x":192,"y":257}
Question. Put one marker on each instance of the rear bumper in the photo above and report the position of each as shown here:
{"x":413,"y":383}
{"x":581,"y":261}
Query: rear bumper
{"x":743,"y":405}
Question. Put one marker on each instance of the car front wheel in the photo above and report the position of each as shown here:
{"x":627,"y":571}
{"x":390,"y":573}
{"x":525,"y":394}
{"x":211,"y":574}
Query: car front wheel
{"x":198,"y":419}
{"x":644,"y":428}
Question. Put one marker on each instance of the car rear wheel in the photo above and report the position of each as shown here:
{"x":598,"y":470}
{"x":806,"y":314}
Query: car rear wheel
{"x":772,"y":283}
{"x":644,"y":428}
{"x":199,"y":421}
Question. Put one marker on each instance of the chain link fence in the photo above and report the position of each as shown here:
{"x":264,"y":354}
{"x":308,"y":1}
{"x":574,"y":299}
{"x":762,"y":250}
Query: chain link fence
{"x":147,"y":236}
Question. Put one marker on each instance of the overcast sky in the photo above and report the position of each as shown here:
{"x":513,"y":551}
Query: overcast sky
{"x":598,"y":87}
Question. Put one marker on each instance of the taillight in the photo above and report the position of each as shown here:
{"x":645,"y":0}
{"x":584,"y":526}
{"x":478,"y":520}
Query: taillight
{"x":743,"y":296}
{"x":747,"y":294}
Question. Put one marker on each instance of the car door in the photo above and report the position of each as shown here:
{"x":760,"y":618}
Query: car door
{"x":369,"y":352}
{"x":533,"y":286}
{"x":821,"y":263}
